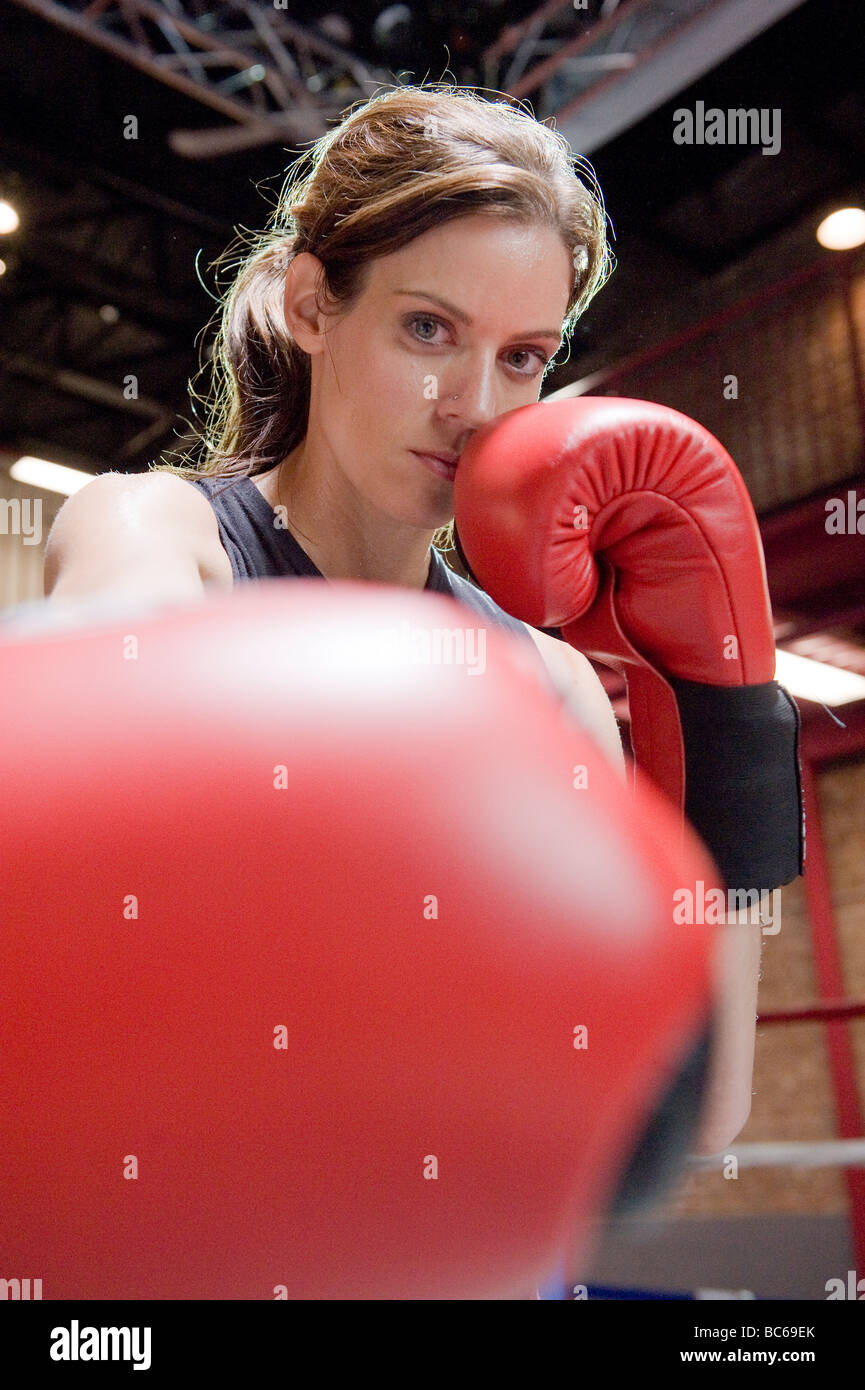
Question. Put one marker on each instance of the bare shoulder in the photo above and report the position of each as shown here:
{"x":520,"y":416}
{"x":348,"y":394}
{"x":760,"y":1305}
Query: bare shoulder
{"x":178,"y":504}
{"x":137,"y":514}
{"x":576,"y":677}
{"x":165,"y":497}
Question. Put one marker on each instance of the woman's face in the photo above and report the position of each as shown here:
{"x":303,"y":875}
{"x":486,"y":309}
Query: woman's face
{"x":449,"y":332}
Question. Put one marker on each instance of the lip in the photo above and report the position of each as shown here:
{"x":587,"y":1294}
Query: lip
{"x":437,"y":463}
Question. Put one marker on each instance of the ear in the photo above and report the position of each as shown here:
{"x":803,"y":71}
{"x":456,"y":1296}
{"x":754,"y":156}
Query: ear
{"x":303,"y":318}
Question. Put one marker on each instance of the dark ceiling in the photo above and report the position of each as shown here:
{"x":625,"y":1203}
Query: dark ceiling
{"x":101,"y":280}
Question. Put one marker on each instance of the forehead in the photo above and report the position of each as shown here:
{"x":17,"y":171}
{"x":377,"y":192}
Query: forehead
{"x":491,"y":267}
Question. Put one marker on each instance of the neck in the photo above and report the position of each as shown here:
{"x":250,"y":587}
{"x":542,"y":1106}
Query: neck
{"x":343,"y":534}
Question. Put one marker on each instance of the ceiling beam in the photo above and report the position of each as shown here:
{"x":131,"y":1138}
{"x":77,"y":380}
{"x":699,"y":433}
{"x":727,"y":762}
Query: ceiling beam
{"x":691,"y":51}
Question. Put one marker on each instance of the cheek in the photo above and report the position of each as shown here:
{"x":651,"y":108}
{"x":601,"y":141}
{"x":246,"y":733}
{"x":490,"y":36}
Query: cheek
{"x":415,"y":383}
{"x":389,"y":384}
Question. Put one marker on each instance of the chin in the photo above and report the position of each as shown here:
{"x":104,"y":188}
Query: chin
{"x":424,"y":518}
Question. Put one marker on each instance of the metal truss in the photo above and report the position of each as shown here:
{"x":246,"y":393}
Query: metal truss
{"x":275,"y":79}
{"x":278,"y":80}
{"x":272,"y":77}
{"x":535,"y":55}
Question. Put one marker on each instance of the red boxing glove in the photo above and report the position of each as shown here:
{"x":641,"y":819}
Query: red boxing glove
{"x":283,"y":1019}
{"x":628,"y":526}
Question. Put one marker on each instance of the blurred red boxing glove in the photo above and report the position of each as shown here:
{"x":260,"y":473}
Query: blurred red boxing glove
{"x":627,"y":526}
{"x":325,"y":976}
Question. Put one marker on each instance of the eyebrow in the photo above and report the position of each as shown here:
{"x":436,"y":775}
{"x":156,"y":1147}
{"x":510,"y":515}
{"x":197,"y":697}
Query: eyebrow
{"x":465,"y":318}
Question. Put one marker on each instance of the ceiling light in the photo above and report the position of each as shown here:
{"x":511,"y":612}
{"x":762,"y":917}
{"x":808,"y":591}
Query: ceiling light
{"x":818,"y":681}
{"x":842,"y":230}
{"x":50,"y":477}
{"x":8,"y":217}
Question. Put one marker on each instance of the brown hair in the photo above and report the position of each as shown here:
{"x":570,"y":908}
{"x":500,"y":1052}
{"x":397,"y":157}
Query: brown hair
{"x":403,"y":162}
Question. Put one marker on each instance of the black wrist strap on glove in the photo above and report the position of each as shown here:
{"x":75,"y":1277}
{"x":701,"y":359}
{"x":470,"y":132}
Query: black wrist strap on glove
{"x":743,"y":792}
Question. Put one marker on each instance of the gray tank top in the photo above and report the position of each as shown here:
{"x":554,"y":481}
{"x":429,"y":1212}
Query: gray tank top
{"x":259,"y":549}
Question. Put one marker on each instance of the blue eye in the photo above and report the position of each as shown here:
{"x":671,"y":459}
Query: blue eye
{"x":424,"y":318}
{"x":541,"y":357}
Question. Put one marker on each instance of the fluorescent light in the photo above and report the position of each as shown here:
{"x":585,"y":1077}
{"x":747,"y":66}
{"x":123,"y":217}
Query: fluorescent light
{"x":50,"y":477}
{"x":842,"y":230}
{"x":816,"y":680}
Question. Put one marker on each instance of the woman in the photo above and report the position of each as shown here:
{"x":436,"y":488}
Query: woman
{"x":339,"y":370}
{"x":414,"y":283}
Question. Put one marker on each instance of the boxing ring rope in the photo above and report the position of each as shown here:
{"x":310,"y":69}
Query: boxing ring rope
{"x":830,"y":1153}
{"x":816,"y":1013}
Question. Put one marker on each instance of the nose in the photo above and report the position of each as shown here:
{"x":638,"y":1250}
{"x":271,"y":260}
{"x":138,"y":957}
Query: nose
{"x":470,"y":396}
